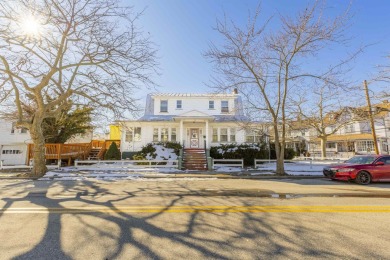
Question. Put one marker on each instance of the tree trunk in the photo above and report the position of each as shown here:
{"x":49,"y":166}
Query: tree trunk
{"x":323,"y":147}
{"x":279,"y":153}
{"x":39,"y":167}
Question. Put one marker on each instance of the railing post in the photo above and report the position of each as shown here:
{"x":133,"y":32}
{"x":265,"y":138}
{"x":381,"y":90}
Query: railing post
{"x":311,"y":164}
{"x":179,"y":162}
{"x":210,"y":163}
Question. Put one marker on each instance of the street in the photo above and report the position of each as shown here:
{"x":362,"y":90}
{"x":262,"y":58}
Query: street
{"x":194,"y":219}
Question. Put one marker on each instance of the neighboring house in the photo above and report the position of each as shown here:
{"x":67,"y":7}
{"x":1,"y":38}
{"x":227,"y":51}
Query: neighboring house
{"x":13,"y":143}
{"x":352,"y":138}
{"x":194,"y":120}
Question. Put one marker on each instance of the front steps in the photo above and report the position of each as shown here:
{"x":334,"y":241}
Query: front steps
{"x":194,"y":159}
{"x":93,"y":154}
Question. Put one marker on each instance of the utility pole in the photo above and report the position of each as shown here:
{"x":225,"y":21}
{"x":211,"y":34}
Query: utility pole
{"x":371,"y":118}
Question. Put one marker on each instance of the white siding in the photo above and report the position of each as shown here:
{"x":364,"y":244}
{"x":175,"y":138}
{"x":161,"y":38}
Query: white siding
{"x":16,"y":141}
{"x":189,"y":104}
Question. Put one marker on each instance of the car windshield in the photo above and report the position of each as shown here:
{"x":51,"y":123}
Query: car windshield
{"x":361,"y":160}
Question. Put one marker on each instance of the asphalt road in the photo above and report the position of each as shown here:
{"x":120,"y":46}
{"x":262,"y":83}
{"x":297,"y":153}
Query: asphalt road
{"x":194,"y":219}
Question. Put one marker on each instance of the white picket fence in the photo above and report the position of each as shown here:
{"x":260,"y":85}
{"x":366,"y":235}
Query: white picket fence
{"x":228,"y":163}
{"x":307,"y":160}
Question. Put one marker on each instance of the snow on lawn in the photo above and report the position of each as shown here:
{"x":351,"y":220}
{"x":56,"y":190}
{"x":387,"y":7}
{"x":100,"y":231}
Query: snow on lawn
{"x":108,"y":176}
{"x":294,"y":168}
{"x":162,"y":153}
{"x":228,"y":169}
{"x":107,"y":173}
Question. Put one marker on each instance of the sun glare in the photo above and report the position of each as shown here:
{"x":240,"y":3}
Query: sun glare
{"x":30,"y":26}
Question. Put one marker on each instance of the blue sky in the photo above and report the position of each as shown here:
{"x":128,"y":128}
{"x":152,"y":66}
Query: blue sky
{"x":182,"y":30}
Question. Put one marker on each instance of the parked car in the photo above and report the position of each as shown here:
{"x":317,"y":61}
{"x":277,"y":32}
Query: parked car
{"x":363,"y":169}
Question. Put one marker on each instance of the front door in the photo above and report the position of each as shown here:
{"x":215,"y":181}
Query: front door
{"x":194,"y":137}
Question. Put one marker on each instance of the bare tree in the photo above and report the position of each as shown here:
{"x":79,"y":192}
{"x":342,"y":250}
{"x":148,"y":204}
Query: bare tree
{"x":325,"y":111}
{"x":383,"y":77}
{"x":54,"y":52}
{"x":268,"y":65}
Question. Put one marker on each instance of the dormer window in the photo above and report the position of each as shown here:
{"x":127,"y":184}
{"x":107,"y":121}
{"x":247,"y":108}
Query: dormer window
{"x":179,"y":104}
{"x":224,"y":106}
{"x":211,"y":104}
{"x":164,"y":106}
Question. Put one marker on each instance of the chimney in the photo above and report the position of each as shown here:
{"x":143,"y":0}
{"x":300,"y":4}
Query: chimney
{"x":235,"y":91}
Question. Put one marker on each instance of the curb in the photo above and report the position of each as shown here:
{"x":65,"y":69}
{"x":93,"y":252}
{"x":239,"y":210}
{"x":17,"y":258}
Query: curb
{"x":199,"y":175}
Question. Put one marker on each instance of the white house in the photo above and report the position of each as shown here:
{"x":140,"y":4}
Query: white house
{"x":13,"y":143}
{"x":194,"y":120}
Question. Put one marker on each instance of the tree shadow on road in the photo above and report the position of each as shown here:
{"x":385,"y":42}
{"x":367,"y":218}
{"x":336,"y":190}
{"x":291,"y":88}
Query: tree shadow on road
{"x":160,"y":234}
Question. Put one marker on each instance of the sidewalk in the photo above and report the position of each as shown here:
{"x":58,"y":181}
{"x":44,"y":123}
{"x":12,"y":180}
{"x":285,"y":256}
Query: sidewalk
{"x":118,"y":175}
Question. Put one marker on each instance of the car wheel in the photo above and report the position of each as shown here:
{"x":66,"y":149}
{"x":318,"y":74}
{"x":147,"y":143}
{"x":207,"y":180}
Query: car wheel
{"x":363,"y":178}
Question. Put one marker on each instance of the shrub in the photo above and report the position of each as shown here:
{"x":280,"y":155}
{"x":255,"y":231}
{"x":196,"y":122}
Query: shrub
{"x":149,"y":150}
{"x":248,"y":152}
{"x":289,"y":153}
{"x":113,"y":152}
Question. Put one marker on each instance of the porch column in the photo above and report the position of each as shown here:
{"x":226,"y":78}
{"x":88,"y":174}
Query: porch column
{"x":207,"y":134}
{"x":181,"y":131}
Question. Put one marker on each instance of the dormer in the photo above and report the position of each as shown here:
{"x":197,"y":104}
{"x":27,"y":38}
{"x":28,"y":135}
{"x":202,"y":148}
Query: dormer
{"x":175,"y":104}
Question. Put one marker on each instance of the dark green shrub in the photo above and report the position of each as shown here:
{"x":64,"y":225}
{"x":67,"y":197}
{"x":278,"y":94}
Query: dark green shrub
{"x":113,"y":152}
{"x":289,"y":153}
{"x":248,"y":152}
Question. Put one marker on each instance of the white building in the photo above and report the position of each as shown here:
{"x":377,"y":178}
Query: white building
{"x":13,"y":143}
{"x":353,"y":138}
{"x":194,"y":120}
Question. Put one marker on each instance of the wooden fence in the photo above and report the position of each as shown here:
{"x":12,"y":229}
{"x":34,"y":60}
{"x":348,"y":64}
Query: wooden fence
{"x":74,"y":151}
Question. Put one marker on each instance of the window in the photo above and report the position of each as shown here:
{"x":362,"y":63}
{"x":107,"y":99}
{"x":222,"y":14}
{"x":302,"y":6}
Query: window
{"x":384,"y":147}
{"x":253,"y":136}
{"x":385,"y":160}
{"x":23,"y":130}
{"x":232,"y":134}
{"x":211,"y":104}
{"x":155,"y":134}
{"x":365,"y":146}
{"x":164,"y":135}
{"x":13,"y":128}
{"x":164,"y":106}
{"x":349,"y":128}
{"x":129,"y":135}
{"x":215,"y":135}
{"x":330,"y":145}
{"x":173,"y":135}
{"x":137,"y":134}
{"x":133,"y":134}
{"x":224,"y":106}
{"x":11,"y":152}
{"x":224,"y":135}
{"x":179,"y":104}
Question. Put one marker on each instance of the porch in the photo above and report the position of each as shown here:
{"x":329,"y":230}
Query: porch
{"x":71,"y":152}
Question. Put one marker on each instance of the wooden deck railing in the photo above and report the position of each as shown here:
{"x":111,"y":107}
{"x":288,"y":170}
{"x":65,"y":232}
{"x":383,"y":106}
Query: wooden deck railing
{"x":72,"y":151}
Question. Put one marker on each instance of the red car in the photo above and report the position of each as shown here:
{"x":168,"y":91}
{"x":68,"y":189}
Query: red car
{"x":363,"y":169}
